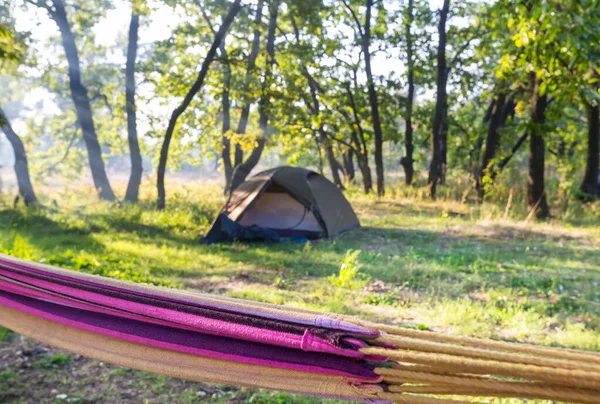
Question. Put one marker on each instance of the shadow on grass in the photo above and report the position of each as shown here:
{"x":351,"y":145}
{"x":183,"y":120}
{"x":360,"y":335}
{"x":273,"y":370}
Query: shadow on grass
{"x":44,"y":233}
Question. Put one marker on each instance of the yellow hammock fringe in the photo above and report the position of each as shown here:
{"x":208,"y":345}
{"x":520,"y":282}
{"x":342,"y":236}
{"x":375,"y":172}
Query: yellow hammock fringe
{"x":448,"y":365}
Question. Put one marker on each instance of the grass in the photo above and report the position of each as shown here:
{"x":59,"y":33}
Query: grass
{"x":450,"y":265}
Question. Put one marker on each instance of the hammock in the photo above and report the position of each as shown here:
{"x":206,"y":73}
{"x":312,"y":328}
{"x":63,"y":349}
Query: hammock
{"x":250,"y":344}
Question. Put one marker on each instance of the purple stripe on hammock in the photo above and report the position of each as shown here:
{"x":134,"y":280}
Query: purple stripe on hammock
{"x":204,"y":312}
{"x":191,"y":342}
{"x":71,"y":302}
{"x":307,"y":341}
{"x":36,"y":294}
{"x":318,"y":321}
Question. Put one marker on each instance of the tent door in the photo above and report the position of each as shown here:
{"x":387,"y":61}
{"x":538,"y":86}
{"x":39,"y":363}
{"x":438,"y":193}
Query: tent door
{"x":278,"y":210}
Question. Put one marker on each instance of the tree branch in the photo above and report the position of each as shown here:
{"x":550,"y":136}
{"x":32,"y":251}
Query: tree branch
{"x":66,"y":154}
{"x":104,"y":98}
{"x":355,"y":18}
{"x":462,"y":49}
{"x":348,"y":145}
{"x":41,"y":4}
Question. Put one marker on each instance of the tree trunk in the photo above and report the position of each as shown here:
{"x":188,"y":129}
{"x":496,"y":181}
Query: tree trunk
{"x":435,"y":169}
{"x":444,"y":141}
{"x":498,"y":113}
{"x":349,"y":165}
{"x":21,"y":166}
{"x":241,"y":172}
{"x":319,"y":152}
{"x":365,"y":170}
{"x":135,"y":178}
{"x":314,"y":108}
{"x":492,"y":143}
{"x":590,"y":181}
{"x":245,"y":113}
{"x":536,"y":195}
{"x":81,"y":100}
{"x":407,"y":161}
{"x":360,"y":144}
{"x":226,"y":105}
{"x":373,"y":101}
{"x":164,"y":151}
{"x":333,"y":165}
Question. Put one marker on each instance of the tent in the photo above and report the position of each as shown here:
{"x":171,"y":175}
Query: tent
{"x":284,"y":202}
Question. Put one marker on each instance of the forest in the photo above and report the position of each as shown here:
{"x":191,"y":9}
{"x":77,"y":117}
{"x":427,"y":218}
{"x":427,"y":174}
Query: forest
{"x":493,"y":92}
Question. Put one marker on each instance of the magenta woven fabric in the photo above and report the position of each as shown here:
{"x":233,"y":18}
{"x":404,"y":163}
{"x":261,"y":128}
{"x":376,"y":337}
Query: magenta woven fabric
{"x":190,"y":341}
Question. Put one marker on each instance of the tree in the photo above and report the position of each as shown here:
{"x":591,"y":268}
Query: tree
{"x":407,"y":161}
{"x":80,"y":97}
{"x":589,"y":187}
{"x":21,"y":165}
{"x":359,"y":140}
{"x":135,"y":177}
{"x":164,"y":151}
{"x":364,"y":33}
{"x":314,"y":107}
{"x":436,"y":167}
{"x":536,"y":195}
{"x":243,"y":170}
{"x":501,"y":108}
{"x":226,"y":107}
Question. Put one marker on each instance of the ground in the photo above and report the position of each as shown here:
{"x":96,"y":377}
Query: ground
{"x":450,"y":265}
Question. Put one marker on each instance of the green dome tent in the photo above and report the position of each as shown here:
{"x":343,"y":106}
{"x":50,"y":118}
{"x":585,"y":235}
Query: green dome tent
{"x":288,"y":201}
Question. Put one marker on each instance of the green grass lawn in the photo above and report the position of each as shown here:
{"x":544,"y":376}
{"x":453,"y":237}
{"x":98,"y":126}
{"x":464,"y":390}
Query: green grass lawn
{"x":446,"y":265}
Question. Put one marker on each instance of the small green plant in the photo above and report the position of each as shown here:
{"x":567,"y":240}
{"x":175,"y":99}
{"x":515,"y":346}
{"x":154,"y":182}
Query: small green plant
{"x":56,"y":360}
{"x":280,"y":283}
{"x":380,"y":299}
{"x":19,"y":247}
{"x":8,"y":374}
{"x":350,"y":276}
{"x":5,"y":334}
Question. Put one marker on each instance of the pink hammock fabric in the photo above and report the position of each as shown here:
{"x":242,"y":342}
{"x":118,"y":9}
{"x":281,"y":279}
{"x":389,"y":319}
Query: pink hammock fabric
{"x":228,"y":330}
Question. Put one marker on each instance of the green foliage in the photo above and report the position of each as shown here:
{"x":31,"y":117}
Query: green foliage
{"x":350,"y":276}
{"x":5,"y":334}
{"x":56,"y":360}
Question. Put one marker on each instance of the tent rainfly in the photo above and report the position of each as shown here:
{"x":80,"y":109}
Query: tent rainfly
{"x":285,"y":202}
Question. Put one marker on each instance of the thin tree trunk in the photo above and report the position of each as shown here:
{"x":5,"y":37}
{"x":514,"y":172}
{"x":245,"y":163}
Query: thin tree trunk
{"x":361,"y":145}
{"x":501,"y":110}
{"x":226,"y":104}
{"x":373,"y":101}
{"x":21,"y":166}
{"x":319,"y":152}
{"x":590,"y":181}
{"x":164,"y":152}
{"x":245,"y":113}
{"x":492,"y":143}
{"x":536,"y":195}
{"x":241,"y":172}
{"x":315,"y":109}
{"x":444,"y":140}
{"x":135,"y":178}
{"x":333,"y":165}
{"x":349,"y":165}
{"x":81,"y":100}
{"x":435,"y":169}
{"x":238,"y":155}
{"x":513,"y":151}
{"x":407,"y":161}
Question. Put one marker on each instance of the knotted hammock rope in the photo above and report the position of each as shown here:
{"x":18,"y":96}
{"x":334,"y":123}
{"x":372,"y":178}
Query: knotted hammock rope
{"x":216,"y":339}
